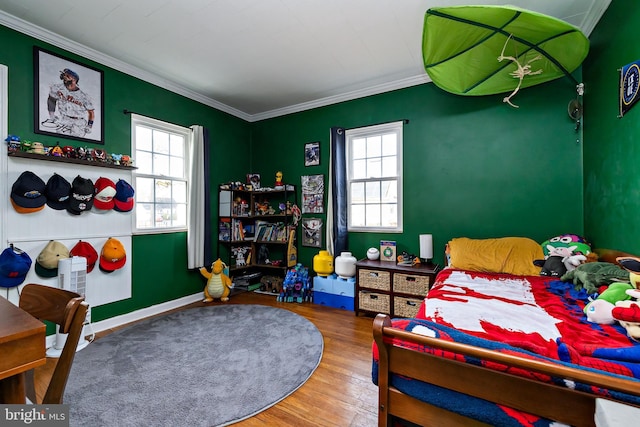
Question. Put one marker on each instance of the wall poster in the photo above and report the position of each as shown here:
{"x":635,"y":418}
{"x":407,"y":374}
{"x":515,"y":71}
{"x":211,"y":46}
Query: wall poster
{"x":313,"y":194}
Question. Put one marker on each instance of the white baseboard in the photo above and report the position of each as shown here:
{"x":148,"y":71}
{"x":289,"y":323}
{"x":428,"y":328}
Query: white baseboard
{"x":116,"y":321}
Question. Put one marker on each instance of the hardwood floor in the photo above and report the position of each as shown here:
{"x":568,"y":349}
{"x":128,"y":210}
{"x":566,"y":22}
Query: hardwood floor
{"x":339,"y":393}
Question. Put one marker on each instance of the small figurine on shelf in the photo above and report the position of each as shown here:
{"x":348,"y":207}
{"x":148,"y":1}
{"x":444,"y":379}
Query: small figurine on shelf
{"x":278,"y":184}
{"x":69,"y":152}
{"x":13,"y":143}
{"x":89,"y":154}
{"x":56,"y":151}
{"x":25,"y":146}
{"x":262,"y":208}
{"x":126,"y":160}
{"x":116,"y":159}
{"x":38,"y":148}
{"x":81,"y":153}
{"x":100,"y":155}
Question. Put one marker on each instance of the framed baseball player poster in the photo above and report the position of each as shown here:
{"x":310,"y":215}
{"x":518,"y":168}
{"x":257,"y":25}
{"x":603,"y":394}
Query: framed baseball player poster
{"x":68,"y":98}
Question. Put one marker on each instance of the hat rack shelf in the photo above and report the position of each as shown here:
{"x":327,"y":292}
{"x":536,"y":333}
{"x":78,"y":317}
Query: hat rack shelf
{"x":35,"y":156}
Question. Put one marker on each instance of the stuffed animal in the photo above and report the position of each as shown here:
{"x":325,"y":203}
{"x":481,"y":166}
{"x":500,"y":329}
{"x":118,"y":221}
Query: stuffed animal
{"x":218,"y":283}
{"x":552,"y":266}
{"x":600,"y":310}
{"x":561,"y":255}
{"x":628,"y":312}
{"x":592,"y":275}
{"x":578,"y":245}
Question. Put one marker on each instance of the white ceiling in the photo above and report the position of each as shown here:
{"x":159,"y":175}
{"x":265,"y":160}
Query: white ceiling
{"x":258,"y":59}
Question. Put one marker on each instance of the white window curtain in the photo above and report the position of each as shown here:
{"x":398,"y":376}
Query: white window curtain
{"x":198,"y":229}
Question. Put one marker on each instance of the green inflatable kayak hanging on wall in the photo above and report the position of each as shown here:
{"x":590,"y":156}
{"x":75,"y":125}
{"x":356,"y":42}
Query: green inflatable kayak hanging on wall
{"x":485,"y":50}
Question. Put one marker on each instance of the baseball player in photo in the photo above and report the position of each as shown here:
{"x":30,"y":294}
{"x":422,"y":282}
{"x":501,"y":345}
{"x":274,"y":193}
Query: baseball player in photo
{"x":75,"y":110}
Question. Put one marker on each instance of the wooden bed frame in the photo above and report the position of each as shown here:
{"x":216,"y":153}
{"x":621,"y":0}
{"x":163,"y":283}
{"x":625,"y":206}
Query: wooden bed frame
{"x":547,"y":400}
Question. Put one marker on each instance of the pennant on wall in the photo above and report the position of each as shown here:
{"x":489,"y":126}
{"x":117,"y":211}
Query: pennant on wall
{"x":629,"y":84}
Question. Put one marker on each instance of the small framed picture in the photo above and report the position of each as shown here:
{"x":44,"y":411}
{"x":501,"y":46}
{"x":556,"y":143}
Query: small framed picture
{"x":312,"y":153}
{"x":312,"y":232}
{"x":253,"y":179}
{"x":68,"y":98}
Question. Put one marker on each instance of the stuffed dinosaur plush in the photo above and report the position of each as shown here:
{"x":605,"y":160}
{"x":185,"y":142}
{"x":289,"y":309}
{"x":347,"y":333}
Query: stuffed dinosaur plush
{"x":218,"y":283}
{"x":592,"y":275}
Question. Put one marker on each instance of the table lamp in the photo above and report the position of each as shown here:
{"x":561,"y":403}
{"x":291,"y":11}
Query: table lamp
{"x":426,"y":247}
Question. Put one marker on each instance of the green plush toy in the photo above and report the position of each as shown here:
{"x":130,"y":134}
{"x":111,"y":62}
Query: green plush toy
{"x":600,"y":310}
{"x":592,"y":275}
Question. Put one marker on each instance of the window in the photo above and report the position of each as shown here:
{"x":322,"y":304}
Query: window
{"x":160,"y":153}
{"x":374,"y":178}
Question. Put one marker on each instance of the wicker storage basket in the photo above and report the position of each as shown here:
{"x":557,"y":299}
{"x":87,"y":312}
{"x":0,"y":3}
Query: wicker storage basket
{"x":372,"y":301}
{"x":374,"y":279}
{"x":409,"y":284}
{"x":405,"y":307}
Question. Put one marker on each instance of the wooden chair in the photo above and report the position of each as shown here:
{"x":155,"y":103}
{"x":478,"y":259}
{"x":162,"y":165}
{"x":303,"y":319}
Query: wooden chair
{"x":66,"y":309}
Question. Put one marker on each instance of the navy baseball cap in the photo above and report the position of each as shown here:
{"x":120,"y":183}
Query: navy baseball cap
{"x":57,"y":192}
{"x":27,"y":193}
{"x":71,"y":73}
{"x":14,"y":266}
{"x":123,"y":199}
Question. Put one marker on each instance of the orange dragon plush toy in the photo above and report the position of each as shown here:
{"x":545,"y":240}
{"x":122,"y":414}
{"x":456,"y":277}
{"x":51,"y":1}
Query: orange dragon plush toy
{"x":218,"y":283}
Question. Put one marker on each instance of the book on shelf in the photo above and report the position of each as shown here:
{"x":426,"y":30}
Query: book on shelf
{"x":224,"y":229}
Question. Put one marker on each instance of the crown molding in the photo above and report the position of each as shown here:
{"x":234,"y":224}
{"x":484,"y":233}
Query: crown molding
{"x":348,"y":96}
{"x":61,"y":42}
{"x":57,"y":40}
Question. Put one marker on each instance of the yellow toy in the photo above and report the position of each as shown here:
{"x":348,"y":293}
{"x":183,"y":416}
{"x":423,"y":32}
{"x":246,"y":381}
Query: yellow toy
{"x":218,"y":283}
{"x":278,"y":179}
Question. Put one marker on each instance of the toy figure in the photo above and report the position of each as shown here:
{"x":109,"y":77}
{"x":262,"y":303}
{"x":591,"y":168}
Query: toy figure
{"x":218,"y":283}
{"x":56,"y":151}
{"x":13,"y":143}
{"x":278,"y":179}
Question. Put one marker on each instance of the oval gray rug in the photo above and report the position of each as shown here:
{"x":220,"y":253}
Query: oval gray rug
{"x":204,"y":366}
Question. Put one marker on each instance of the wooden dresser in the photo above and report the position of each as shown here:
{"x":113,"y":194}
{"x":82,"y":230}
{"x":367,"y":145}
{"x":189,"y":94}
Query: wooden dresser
{"x":396,"y":290}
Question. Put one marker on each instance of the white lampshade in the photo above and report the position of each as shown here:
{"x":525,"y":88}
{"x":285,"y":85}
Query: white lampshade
{"x":426,"y":246}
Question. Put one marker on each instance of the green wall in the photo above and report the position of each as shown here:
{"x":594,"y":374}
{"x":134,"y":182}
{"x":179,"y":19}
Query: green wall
{"x":472,"y":166}
{"x":158,"y":261}
{"x":612,"y":147}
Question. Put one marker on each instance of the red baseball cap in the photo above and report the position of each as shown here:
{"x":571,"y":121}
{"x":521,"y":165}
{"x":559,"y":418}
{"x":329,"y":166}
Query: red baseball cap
{"x":105,"y":191}
{"x":85,"y":250}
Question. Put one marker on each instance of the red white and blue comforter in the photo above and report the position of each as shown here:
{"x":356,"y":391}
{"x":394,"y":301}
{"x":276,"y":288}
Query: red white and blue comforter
{"x":534,"y":317}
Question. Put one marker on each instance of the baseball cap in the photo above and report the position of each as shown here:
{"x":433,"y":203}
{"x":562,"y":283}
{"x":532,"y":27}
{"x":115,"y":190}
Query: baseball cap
{"x":14,"y":266}
{"x":81,"y":196}
{"x":47,"y":260}
{"x":85,"y":250}
{"x":124,"y":196}
{"x":27,"y":193}
{"x":71,"y":73}
{"x":112,"y":256}
{"x":57,"y":192}
{"x":105,"y":190}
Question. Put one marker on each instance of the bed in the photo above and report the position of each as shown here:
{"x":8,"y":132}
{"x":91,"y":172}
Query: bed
{"x":501,"y":346}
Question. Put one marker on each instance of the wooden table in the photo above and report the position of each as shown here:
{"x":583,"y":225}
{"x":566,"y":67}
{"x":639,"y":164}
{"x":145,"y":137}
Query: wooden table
{"x":22,"y":347}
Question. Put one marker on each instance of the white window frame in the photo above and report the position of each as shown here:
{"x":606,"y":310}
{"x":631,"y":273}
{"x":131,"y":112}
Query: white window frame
{"x":370,"y":131}
{"x":138,"y":120}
